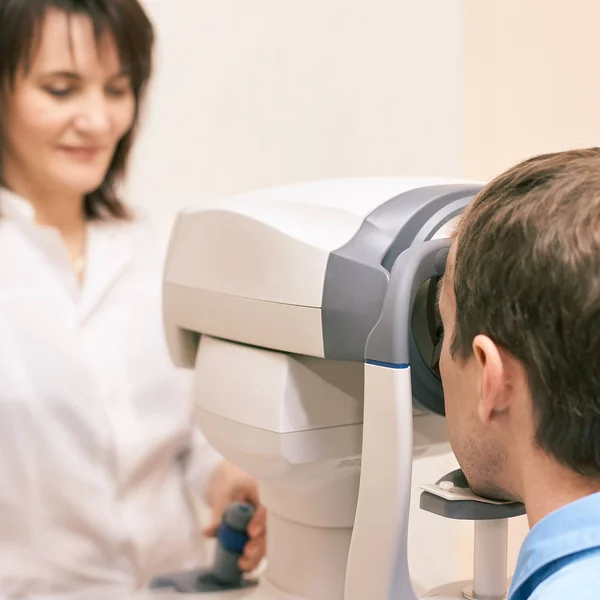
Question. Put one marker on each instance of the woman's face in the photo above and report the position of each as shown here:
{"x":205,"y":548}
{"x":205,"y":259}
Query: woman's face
{"x":66,"y":115}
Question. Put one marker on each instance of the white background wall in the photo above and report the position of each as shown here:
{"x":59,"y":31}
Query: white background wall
{"x":252,"y":94}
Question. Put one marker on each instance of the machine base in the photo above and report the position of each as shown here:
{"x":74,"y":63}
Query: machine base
{"x":198,"y":582}
{"x":453,"y":591}
{"x":243,"y":594}
{"x":249,"y":593}
{"x":462,"y":590}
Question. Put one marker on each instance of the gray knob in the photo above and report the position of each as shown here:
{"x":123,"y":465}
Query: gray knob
{"x":232,"y":538}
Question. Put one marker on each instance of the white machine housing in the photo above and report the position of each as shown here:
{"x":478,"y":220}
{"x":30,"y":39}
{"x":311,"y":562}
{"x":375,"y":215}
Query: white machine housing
{"x":271,"y":297}
{"x":253,"y":268}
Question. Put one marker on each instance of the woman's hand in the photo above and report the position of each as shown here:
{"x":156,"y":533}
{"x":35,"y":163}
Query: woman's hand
{"x":230,"y":484}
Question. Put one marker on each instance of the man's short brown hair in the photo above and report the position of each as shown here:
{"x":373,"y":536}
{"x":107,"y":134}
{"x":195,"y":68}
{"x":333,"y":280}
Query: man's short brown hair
{"x":527,"y":274}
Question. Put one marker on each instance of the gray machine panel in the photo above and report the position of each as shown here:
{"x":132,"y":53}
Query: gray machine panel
{"x":357,"y":274}
{"x":392,"y":342}
{"x":472,"y":510}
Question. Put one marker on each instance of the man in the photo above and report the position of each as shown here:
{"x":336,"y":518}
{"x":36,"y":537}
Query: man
{"x":520,"y":304}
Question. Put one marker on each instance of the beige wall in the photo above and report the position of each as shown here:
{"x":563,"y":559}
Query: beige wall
{"x":530,"y":80}
{"x":252,"y":94}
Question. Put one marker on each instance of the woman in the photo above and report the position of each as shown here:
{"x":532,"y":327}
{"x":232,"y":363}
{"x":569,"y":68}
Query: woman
{"x":98,"y":456}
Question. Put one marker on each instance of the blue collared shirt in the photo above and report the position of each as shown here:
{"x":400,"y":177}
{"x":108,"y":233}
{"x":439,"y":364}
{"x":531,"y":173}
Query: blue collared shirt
{"x":560,"y":558}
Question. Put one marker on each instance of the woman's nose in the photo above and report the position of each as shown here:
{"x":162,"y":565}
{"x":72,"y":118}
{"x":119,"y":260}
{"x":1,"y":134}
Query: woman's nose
{"x":94,"y":114}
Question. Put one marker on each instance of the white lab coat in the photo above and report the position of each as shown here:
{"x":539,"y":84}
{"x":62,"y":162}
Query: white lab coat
{"x":97,"y":449}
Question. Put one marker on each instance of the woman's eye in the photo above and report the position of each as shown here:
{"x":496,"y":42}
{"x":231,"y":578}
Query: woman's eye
{"x":59,"y":92}
{"x":118,"y":92}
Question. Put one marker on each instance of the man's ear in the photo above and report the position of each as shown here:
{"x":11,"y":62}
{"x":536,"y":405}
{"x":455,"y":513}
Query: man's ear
{"x":492,"y":378}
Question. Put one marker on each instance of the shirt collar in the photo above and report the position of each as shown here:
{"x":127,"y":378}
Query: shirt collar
{"x":572,"y":528}
{"x":109,"y":251}
{"x":16,"y":206}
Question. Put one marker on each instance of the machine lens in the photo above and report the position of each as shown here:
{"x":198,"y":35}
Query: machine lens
{"x":426,"y":323}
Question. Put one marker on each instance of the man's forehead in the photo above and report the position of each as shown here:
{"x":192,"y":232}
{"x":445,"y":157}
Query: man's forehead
{"x":449,"y":273}
{"x":445,"y":283}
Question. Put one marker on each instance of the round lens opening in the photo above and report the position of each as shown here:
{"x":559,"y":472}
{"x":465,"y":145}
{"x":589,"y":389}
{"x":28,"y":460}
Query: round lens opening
{"x":426,"y":325}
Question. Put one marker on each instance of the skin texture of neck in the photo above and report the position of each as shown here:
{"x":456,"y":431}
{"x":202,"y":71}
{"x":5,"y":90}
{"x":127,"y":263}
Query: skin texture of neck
{"x":548,"y":485}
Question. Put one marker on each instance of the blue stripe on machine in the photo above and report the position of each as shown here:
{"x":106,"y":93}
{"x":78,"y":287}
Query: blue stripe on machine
{"x":387,"y":365}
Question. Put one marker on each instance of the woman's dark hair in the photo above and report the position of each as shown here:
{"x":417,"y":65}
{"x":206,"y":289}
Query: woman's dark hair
{"x":128,"y":24}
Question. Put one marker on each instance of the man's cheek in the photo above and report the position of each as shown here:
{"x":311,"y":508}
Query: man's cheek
{"x":453,"y":436}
